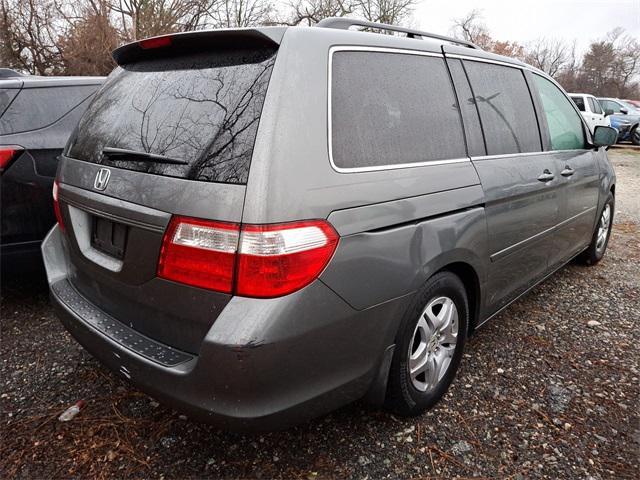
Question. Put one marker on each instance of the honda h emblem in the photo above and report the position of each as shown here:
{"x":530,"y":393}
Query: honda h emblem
{"x":102,"y":179}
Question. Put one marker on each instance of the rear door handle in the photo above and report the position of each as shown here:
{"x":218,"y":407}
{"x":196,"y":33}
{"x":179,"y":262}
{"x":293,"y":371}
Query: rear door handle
{"x":546,"y":176}
{"x":568,"y":171}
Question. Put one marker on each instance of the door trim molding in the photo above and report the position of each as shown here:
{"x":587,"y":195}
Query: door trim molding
{"x":527,"y":241}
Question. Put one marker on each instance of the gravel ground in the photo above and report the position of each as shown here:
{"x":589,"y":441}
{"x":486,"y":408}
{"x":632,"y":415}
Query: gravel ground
{"x":542,"y":393}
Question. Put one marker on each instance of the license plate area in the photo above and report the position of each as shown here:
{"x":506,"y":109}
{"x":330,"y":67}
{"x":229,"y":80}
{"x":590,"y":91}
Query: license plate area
{"x":108,"y":236}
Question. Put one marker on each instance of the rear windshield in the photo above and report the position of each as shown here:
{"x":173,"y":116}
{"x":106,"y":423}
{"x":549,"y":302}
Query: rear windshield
{"x":201,"y":109}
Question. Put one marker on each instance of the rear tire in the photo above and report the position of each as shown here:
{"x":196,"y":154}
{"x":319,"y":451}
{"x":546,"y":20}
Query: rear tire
{"x":635,"y":136}
{"x":429,"y":346}
{"x":600,"y":240}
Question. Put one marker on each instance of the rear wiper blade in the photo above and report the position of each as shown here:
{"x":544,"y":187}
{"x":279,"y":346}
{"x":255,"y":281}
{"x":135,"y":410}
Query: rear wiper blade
{"x":132,"y":155}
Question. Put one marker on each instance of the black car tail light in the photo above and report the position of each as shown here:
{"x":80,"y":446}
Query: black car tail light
{"x":8,"y":154}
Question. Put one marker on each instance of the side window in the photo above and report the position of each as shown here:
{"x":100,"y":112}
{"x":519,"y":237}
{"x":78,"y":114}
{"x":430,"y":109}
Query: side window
{"x":565,"y":124}
{"x":36,"y":108}
{"x":579,"y":101}
{"x":392,"y":109}
{"x":595,"y":106}
{"x":609,"y":105}
{"x":472,"y":126}
{"x":506,"y":108}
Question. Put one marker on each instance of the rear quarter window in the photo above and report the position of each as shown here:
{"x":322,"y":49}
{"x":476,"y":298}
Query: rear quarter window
{"x":390,"y":109}
{"x":506,"y":109}
{"x":39,"y":107}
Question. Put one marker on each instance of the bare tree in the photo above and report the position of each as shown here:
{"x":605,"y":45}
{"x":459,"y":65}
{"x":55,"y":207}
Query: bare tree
{"x":148,"y":18}
{"x":89,"y":39}
{"x":472,"y":29}
{"x":627,"y":65}
{"x":243,"y":13}
{"x":310,"y":12}
{"x":549,"y":55}
{"x":28,"y":36}
{"x":610,"y":67}
{"x":393,"y":12}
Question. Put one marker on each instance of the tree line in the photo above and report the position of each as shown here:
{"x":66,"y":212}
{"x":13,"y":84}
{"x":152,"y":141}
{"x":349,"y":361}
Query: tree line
{"x":609,"y":67}
{"x":67,"y":37}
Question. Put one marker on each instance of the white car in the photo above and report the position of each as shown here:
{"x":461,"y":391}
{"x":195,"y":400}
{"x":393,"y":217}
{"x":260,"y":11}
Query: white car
{"x":590,"y":109}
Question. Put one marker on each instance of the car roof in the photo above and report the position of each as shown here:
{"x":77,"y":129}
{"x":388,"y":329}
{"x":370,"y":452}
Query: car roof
{"x":415,"y":40}
{"x":582,"y":94}
{"x":426,"y":44}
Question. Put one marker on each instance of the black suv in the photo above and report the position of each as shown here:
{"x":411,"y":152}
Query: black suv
{"x":37,"y":115}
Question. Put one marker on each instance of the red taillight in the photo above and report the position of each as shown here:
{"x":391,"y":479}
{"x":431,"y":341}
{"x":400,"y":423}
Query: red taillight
{"x":56,"y":205}
{"x":199,"y":253}
{"x":253,"y":261}
{"x":8,"y":155}
{"x":276,"y":260}
{"x":156,"y":42}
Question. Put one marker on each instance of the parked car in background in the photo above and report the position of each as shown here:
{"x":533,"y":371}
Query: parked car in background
{"x":635,"y":103}
{"x":625,"y":117}
{"x":255,"y":257}
{"x":37,"y":115}
{"x":617,"y":106}
{"x":623,"y":125}
{"x":590,"y":109}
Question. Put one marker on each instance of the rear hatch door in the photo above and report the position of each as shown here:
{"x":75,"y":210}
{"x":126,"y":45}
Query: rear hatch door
{"x":169,"y":133}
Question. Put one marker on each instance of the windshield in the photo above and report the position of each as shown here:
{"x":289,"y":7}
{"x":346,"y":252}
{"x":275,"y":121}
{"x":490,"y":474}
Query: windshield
{"x":202,"y":109}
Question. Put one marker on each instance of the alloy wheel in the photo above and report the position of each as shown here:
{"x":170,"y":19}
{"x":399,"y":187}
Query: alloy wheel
{"x":433,"y":344}
{"x":603,"y":228}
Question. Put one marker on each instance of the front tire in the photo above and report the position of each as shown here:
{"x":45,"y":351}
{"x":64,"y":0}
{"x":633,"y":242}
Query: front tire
{"x":429,"y":346}
{"x":600,"y":240}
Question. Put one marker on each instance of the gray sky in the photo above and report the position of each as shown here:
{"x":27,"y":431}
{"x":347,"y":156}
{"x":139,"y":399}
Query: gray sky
{"x":524,"y":21}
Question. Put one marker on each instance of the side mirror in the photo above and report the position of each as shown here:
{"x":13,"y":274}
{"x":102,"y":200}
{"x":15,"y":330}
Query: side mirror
{"x":624,"y":110}
{"x":604,"y":136}
{"x":607,"y":112}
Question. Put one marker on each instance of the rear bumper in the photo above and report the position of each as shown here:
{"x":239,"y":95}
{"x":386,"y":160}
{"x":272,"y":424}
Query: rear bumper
{"x":264,"y":364}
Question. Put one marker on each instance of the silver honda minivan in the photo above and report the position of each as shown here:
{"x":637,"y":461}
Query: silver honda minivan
{"x":257,"y":226}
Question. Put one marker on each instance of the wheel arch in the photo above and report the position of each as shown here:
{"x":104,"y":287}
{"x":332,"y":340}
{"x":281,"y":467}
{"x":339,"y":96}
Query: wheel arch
{"x":468,"y":275}
{"x":471,"y":281}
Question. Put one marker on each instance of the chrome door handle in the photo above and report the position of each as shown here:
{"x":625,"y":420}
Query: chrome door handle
{"x":568,"y":171}
{"x":546,"y":176}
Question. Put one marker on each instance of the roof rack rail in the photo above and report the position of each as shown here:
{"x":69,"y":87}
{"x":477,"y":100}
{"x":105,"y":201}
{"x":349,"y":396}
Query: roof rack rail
{"x":344,"y":23}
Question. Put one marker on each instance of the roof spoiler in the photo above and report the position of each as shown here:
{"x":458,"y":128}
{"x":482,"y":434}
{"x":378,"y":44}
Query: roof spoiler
{"x":176,"y":43}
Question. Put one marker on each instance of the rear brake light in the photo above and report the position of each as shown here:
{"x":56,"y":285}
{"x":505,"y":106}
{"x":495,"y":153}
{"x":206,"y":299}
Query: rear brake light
{"x":276,"y":260}
{"x":56,"y":205}
{"x":253,"y":261}
{"x":156,"y":42}
{"x":199,"y":253}
{"x":8,"y":155}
